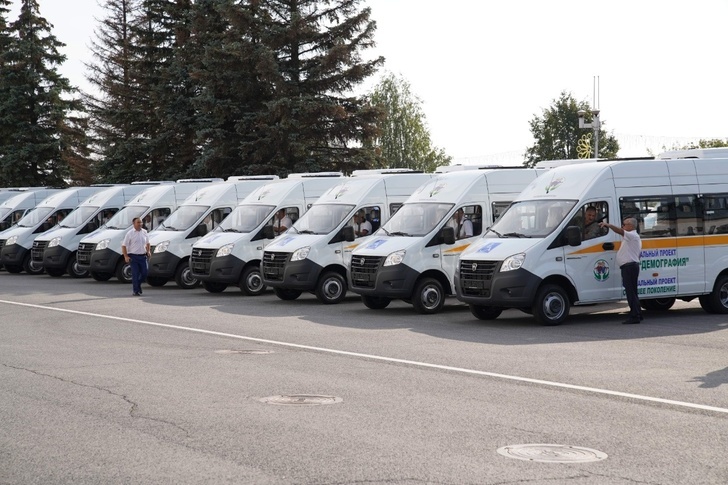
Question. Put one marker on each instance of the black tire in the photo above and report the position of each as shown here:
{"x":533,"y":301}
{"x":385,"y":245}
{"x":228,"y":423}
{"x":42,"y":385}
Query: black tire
{"x":331,"y":288}
{"x":376,"y":302}
{"x":718,"y":298}
{"x":485,"y":312}
{"x":705,"y":303}
{"x":251,"y":281}
{"x":657,"y":304}
{"x":55,"y":272}
{"x":11,"y":268}
{"x":156,"y":281}
{"x":286,"y":294}
{"x":74,"y":270}
{"x":30,"y":266}
{"x":101,"y":276}
{"x":123,"y":271}
{"x":183,"y":276}
{"x":551,"y":306}
{"x":428,"y":297}
{"x":213,"y":287}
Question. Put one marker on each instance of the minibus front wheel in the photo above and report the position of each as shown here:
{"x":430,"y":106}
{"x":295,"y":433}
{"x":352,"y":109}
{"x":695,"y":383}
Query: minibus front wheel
{"x":156,"y":281}
{"x":375,"y":302}
{"x":428,"y":297}
{"x":101,"y":276}
{"x":551,"y":306}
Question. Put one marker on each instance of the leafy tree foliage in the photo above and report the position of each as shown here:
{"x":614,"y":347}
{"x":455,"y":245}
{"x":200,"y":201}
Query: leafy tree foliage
{"x":707,"y":143}
{"x":37,"y":100}
{"x":556,"y":132}
{"x":404,"y":140}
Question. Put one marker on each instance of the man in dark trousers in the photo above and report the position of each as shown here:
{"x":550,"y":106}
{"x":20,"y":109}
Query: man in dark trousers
{"x":628,"y":260}
{"x":136,"y":250}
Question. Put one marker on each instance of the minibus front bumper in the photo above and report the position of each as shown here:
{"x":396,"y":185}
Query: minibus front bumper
{"x":223,"y":269}
{"x":510,"y":289}
{"x":163,"y":265}
{"x":102,"y":261}
{"x":396,"y":281}
{"x":56,"y":257}
{"x":295,"y":275}
{"x":13,"y":255}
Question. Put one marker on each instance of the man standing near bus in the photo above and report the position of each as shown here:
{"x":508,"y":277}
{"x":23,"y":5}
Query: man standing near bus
{"x":628,"y":260}
{"x":136,"y":250}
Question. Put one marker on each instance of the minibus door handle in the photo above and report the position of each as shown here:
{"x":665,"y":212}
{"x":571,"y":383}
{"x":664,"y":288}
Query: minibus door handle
{"x":608,"y":246}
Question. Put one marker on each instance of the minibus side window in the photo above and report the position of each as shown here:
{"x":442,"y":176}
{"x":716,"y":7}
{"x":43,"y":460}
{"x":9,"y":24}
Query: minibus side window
{"x":686,"y":214}
{"x":715,"y":215}
{"x":471,"y":223}
{"x":588,"y":217}
{"x":655,"y":215}
{"x":393,"y":208}
{"x":498,"y":208}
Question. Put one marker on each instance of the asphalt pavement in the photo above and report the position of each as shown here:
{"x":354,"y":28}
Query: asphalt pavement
{"x":184,"y":386}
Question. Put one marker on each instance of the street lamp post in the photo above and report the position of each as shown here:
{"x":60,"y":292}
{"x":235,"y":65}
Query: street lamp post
{"x":595,"y":124}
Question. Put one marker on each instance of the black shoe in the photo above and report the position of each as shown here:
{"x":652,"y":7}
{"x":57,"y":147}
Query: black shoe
{"x":140,"y":292}
{"x":631,"y":321}
{"x":137,"y":294}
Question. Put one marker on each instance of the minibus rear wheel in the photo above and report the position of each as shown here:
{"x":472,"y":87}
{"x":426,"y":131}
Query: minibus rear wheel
{"x":55,"y":272}
{"x":14,"y":269}
{"x":485,"y":312}
{"x":213,"y":287}
{"x":156,"y":281}
{"x":657,"y":304}
{"x":376,"y":302}
{"x":718,"y":298}
{"x":551,"y":306}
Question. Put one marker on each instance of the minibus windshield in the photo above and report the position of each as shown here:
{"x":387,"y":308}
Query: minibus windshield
{"x":245,"y":218}
{"x":184,"y":217}
{"x":416,"y":220}
{"x":35,"y":217}
{"x":123,"y":218}
{"x":79,"y":216}
{"x":322,"y":219}
{"x":531,"y":218}
{"x":4,"y":211}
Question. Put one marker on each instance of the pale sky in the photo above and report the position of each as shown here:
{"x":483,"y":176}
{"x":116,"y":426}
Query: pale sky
{"x":483,"y":69}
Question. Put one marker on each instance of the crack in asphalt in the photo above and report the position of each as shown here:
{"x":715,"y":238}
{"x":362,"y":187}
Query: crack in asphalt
{"x":133,"y":405}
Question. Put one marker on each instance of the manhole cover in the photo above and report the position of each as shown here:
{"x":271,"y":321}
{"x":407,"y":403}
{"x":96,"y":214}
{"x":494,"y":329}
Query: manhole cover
{"x":552,"y":453}
{"x":301,"y":400}
{"x":254,"y":352}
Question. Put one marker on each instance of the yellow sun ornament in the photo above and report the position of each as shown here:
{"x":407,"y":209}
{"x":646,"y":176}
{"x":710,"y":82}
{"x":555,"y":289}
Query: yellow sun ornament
{"x":583,"y":147}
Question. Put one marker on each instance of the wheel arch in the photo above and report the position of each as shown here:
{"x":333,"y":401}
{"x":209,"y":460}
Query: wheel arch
{"x":440,"y":277}
{"x":563,"y":282}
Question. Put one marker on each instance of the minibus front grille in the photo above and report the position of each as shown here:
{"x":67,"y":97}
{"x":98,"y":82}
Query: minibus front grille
{"x":200,"y":260}
{"x":364,"y":270}
{"x":36,"y":253}
{"x":83,"y":255}
{"x":274,"y":265}
{"x":476,"y":277}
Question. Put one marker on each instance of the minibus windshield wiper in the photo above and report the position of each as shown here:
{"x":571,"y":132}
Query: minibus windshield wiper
{"x":399,"y":233}
{"x":305,"y":231}
{"x":514,"y":234}
{"x":493,"y":230}
{"x":385,"y":231}
{"x":231,"y":229}
{"x":170,"y":228}
{"x":113,"y":227}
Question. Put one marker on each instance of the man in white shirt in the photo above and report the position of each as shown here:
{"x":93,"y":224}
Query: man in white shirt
{"x":362,"y":227}
{"x":628,"y":260}
{"x":463,"y":227}
{"x":281,"y":222}
{"x":136,"y":250}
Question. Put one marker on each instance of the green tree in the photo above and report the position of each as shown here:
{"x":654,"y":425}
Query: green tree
{"x":556,"y":132}
{"x":5,"y":43}
{"x":404,"y":139}
{"x":37,"y":103}
{"x":313,"y":121}
{"x":705,"y":143}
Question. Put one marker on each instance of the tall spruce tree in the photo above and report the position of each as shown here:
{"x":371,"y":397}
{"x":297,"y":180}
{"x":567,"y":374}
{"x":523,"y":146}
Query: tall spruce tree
{"x":36,"y":104}
{"x":313,"y":122}
{"x":116,"y":109}
{"x":5,"y":43}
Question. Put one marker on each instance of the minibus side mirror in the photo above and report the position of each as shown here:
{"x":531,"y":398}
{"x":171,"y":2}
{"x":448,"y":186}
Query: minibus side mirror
{"x":573,"y":235}
{"x":347,"y":232}
{"x":268,"y":232}
{"x":447,"y":234}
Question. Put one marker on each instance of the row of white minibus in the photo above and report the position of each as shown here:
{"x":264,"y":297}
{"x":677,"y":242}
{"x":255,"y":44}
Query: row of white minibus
{"x":496,"y":238}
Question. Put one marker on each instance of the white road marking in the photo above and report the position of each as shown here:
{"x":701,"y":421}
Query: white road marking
{"x":415,"y":363}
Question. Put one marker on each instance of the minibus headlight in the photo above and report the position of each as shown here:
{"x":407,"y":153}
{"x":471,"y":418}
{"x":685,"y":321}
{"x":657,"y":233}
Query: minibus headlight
{"x":11,"y":240}
{"x":225,"y":250}
{"x":395,"y":258}
{"x":103,"y":244}
{"x":513,"y":262}
{"x":300,"y":254}
{"x":161,"y":247}
{"x":54,"y":242}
